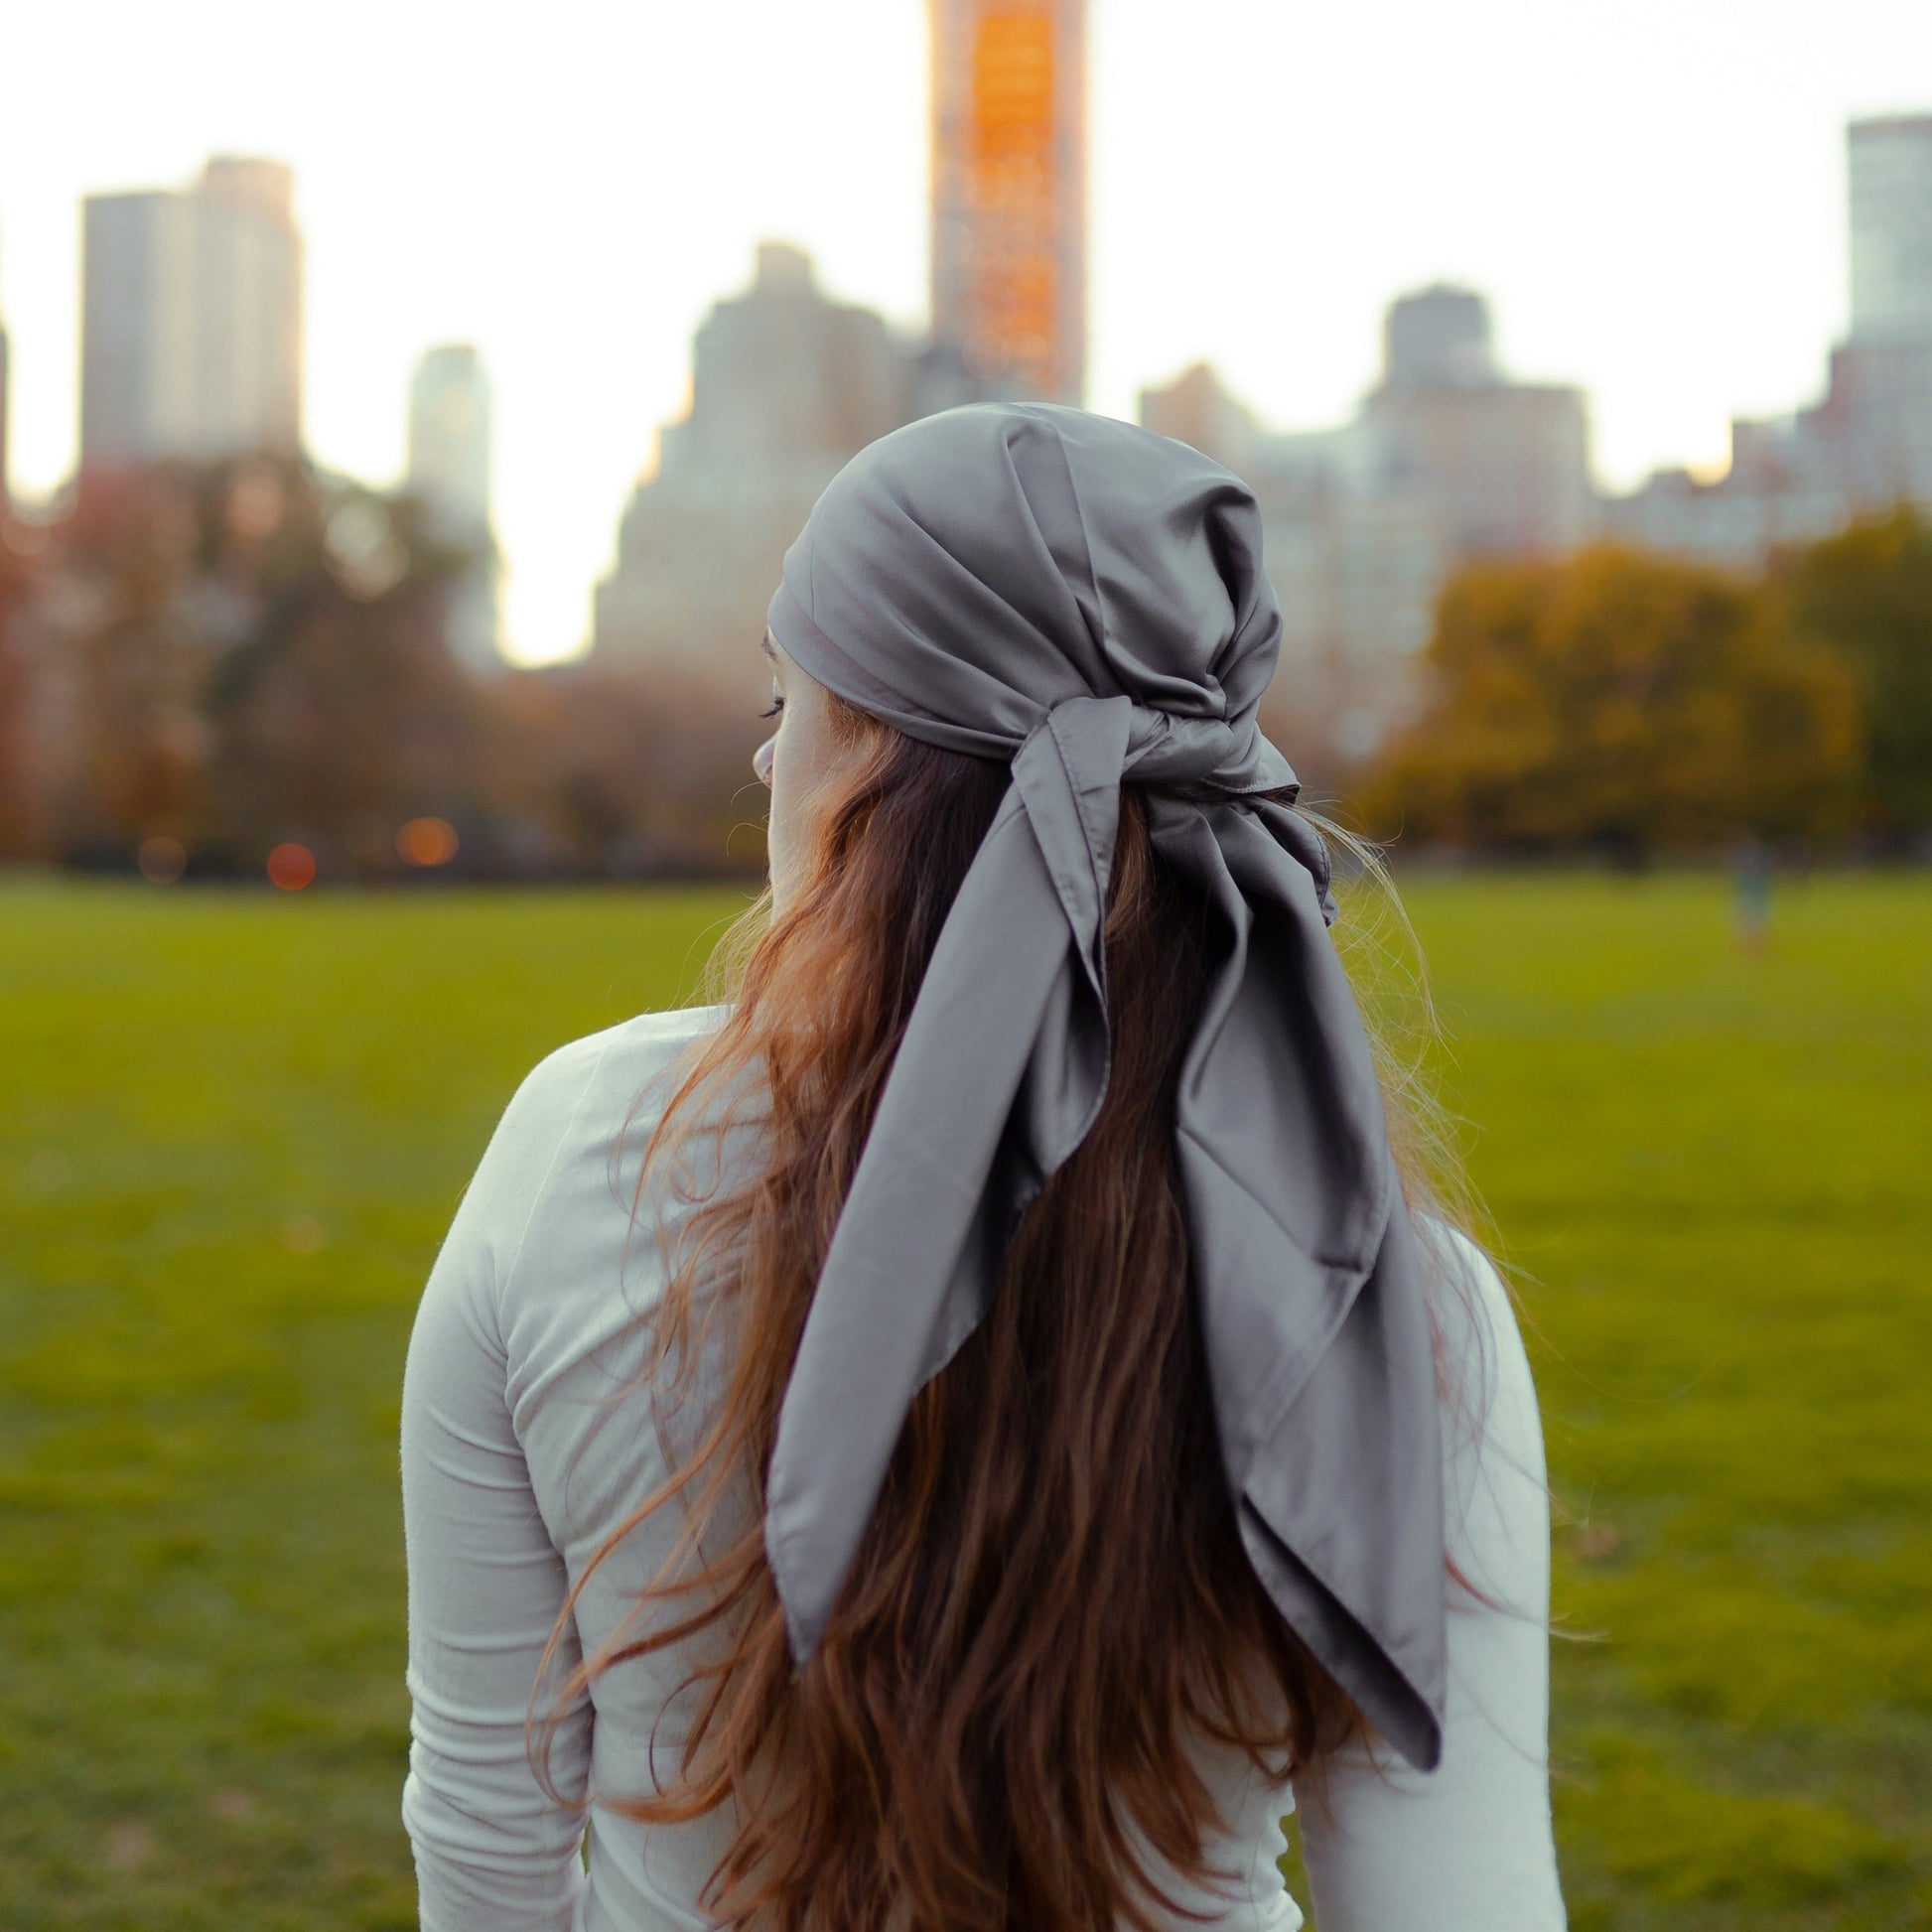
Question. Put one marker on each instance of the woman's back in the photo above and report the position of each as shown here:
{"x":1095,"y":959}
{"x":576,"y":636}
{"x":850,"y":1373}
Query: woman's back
{"x":527,"y":1441}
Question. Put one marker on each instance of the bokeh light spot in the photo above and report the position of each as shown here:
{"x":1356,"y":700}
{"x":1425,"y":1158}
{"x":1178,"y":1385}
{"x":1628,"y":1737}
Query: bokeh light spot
{"x":363,"y":550}
{"x":425,"y":842}
{"x":291,"y":867}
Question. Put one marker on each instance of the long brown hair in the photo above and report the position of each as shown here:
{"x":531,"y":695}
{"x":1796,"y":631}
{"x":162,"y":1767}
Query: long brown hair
{"x":1052,"y":1605}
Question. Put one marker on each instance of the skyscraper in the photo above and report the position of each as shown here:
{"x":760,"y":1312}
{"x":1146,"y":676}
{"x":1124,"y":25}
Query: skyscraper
{"x":786,"y":383}
{"x":448,"y":469}
{"x":6,"y":378}
{"x":1009,"y":191}
{"x":192,"y":318}
{"x":1506,"y":464}
{"x":785,"y":380}
{"x":1439,"y":337}
{"x":1889,"y":172}
{"x":1876,"y":417}
{"x":1448,"y":459}
{"x":448,"y":437}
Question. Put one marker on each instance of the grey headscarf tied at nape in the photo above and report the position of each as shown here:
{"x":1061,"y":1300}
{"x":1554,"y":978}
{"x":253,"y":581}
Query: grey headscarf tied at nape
{"x":1085,"y":600}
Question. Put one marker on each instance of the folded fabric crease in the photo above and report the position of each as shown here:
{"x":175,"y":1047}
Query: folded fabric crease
{"x":1097,"y":614}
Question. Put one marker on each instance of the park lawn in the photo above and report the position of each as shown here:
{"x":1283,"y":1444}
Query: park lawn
{"x":1711,"y":1174}
{"x":232,"y":1129}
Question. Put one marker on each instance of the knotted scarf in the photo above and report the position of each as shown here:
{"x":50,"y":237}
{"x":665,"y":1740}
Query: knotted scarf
{"x":1085,"y":600}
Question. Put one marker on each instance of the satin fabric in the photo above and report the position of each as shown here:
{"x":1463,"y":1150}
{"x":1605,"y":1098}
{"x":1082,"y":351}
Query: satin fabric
{"x":1085,"y":600}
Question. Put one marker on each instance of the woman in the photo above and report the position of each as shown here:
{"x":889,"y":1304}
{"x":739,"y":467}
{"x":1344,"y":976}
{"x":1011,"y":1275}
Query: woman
{"x":969,"y":1428}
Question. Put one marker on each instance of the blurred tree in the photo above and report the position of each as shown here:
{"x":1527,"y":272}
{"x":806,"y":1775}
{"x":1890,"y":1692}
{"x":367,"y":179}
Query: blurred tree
{"x":254,"y":653}
{"x":612,"y":773}
{"x":336,"y":708}
{"x":135,"y":653}
{"x":1617,"y":700}
{"x":237,"y":655}
{"x":1868,"y":593}
{"x":20,"y":545}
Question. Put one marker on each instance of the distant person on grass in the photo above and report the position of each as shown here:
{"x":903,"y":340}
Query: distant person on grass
{"x":1753,"y":873}
{"x":968,"y":1430}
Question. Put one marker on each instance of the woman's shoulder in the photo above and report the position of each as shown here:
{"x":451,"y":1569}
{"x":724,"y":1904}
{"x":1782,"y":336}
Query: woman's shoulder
{"x":1474,"y":1311}
{"x":644,"y":1043}
{"x":1464,"y":1260}
{"x":1495,"y":1469}
{"x":635,"y":1050}
{"x":575,"y":1099}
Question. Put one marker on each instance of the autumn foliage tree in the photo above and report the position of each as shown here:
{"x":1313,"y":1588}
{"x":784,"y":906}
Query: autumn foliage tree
{"x":1621,"y":701}
{"x":235,"y":653}
{"x":603,"y":772}
{"x":1867,"y":594}
{"x":231,"y":655}
{"x":18,"y":556}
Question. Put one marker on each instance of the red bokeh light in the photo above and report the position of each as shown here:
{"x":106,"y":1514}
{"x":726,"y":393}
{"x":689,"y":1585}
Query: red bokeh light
{"x":291,"y":867}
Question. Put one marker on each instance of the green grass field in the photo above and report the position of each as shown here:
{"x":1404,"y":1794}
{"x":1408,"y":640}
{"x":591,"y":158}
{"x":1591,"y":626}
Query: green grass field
{"x":233,"y":1128}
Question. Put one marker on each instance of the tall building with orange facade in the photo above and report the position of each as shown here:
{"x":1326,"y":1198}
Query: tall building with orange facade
{"x":1009,"y":192}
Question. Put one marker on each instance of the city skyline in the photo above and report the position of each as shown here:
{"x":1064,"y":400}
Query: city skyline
{"x":1672,"y":241}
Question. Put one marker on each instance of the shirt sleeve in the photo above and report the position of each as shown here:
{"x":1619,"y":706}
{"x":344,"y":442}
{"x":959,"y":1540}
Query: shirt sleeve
{"x":1469,"y":1846}
{"x":492,"y":1852}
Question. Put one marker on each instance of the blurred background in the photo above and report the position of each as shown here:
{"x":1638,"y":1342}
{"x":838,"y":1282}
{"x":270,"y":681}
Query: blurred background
{"x":403,"y":415}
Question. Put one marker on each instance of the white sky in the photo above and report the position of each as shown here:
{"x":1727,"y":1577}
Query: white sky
{"x":1650,"y":191}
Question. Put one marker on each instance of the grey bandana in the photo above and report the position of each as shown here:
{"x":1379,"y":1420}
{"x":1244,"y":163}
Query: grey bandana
{"x":1085,"y":599}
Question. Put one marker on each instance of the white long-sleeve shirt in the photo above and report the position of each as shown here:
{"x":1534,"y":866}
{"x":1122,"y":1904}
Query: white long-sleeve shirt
{"x":521,"y":1454}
